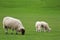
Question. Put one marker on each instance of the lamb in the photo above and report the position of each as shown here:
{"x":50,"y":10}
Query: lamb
{"x":42,"y":25}
{"x":13,"y":24}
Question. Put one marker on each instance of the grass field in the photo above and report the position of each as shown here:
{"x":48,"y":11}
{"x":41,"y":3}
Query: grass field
{"x":30,"y":11}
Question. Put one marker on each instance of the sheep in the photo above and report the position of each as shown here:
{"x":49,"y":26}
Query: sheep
{"x":13,"y":24}
{"x":41,"y":25}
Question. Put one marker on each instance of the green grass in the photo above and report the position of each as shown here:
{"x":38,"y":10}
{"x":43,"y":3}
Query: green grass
{"x":30,"y":11}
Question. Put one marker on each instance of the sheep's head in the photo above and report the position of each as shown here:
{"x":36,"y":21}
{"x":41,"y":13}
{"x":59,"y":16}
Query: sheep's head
{"x":49,"y":29}
{"x":22,"y":31}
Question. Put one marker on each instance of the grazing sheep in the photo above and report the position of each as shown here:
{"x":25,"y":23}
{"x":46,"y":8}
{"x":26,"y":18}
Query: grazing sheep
{"x":13,"y":24}
{"x":42,"y":25}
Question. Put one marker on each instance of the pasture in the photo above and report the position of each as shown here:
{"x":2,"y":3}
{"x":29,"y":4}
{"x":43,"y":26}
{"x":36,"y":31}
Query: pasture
{"x":30,"y":11}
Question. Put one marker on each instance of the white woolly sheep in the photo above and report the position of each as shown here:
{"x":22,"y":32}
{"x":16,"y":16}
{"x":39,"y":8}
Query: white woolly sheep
{"x":42,"y":25}
{"x":13,"y":24}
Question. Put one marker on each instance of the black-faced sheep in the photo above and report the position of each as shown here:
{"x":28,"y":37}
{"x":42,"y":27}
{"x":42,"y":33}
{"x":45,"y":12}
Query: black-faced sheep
{"x":13,"y":24}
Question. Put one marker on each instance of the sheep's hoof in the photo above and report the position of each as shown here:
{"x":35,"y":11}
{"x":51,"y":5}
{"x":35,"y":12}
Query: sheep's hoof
{"x":16,"y":33}
{"x":44,"y":31}
{"x":11,"y":33}
{"x":6,"y":33}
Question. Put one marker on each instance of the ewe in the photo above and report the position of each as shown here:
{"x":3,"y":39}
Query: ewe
{"x":13,"y":24}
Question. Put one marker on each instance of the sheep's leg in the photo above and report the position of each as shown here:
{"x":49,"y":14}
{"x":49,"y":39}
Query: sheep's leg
{"x":12,"y":31}
{"x":6,"y":30}
{"x":36,"y":29}
{"x":44,"y":29}
{"x":40,"y":29}
{"x":16,"y":32}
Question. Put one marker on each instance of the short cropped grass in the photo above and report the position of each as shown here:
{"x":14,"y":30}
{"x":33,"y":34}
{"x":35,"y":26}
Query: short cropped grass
{"x":29,"y":12}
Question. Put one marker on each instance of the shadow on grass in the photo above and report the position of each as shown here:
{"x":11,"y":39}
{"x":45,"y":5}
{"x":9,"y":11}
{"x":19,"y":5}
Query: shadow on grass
{"x":12,"y":34}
